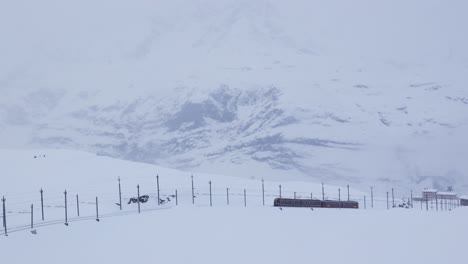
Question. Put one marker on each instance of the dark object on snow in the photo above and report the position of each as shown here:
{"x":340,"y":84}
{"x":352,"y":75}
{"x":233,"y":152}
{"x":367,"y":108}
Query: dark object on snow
{"x":143,"y":199}
{"x":311,"y":203}
{"x":463,"y":201}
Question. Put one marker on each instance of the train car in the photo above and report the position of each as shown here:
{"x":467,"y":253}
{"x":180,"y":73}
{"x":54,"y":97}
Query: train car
{"x":287,"y":202}
{"x":311,"y":203}
{"x":340,"y":204}
{"x":350,"y":204}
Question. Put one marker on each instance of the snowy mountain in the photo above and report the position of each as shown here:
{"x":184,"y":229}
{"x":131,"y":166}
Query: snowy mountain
{"x":335,"y":91}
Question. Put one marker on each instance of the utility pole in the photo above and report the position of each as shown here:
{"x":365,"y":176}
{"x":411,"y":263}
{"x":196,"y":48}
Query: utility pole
{"x":245,"y":198}
{"x":157,"y":182}
{"x":211,"y":201}
{"x":348,"y":191}
{"x":280,"y":190}
{"x":4,"y":216}
{"x":42,"y":204}
{"x":120,"y":195}
{"x":176,"y":201}
{"x":77,"y":205}
{"x":411,"y":198}
{"x":387,"y":202}
{"x":263,"y":192}
{"x":66,"y":209}
{"x":294,"y":195}
{"x":323,"y":192}
{"x":227,"y":196}
{"x":193,"y":192}
{"x":138,"y":197}
{"x":97,"y":209}
{"x":32,"y":216}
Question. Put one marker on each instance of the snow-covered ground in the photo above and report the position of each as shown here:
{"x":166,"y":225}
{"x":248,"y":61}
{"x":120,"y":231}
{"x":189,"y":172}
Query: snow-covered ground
{"x":200,"y":233}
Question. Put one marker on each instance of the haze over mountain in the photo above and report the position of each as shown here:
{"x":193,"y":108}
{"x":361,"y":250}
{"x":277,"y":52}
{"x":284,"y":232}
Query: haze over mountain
{"x":367,"y":92}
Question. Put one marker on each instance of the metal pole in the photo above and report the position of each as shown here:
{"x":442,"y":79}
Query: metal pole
{"x":245,"y":198}
{"x":66,"y":209}
{"x":42,"y":204}
{"x":77,"y":205}
{"x":97,"y":209}
{"x":311,"y":197}
{"x":323,"y":192}
{"x":211,"y":201}
{"x":176,"y":200}
{"x":157,"y":183}
{"x":280,"y":190}
{"x":263,"y":192}
{"x":387,"y":201}
{"x":339,"y":196}
{"x":227,"y":196}
{"x":120,"y":196}
{"x":372,"y":196}
{"x":138,"y":197}
{"x":193,"y":193}
{"x":294,"y":195}
{"x":411,"y":198}
{"x":348,"y":191}
{"x":4,"y":216}
{"x":427,"y":203}
{"x":32,"y":216}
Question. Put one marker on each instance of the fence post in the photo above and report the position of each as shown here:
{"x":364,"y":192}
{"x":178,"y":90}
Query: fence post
{"x":211,"y":201}
{"x":97,"y":209}
{"x":120,"y":195}
{"x":245,"y":198}
{"x":66,"y":208}
{"x":193,"y":193}
{"x":348,"y":191}
{"x":176,"y":199}
{"x":263,"y":192}
{"x":387,"y":202}
{"x":77,"y":205}
{"x":32,"y":216}
{"x":4,"y":216}
{"x":42,"y":204}
{"x":227,"y":196}
{"x":157,"y":183}
{"x":372,"y":196}
{"x":138,"y":197}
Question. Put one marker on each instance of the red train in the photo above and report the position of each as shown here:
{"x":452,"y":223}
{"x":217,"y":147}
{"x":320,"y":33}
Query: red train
{"x":313,"y":203}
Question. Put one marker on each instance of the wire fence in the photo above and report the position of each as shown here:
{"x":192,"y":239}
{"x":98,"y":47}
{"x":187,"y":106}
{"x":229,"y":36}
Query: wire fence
{"x":32,"y":210}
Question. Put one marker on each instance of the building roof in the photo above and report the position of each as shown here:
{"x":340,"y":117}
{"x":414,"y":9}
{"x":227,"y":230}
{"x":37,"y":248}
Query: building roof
{"x":447,"y":193}
{"x":464,"y":197}
{"x":430,"y":190}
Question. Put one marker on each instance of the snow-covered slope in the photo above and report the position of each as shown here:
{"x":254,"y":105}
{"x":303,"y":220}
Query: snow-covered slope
{"x":363,"y":91}
{"x":201,"y":234}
